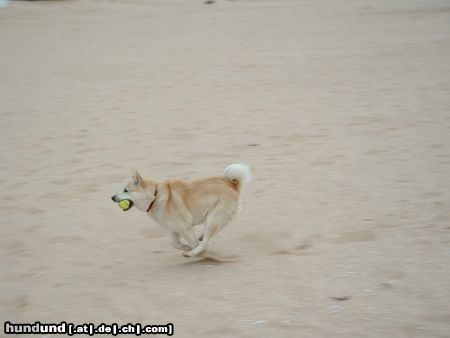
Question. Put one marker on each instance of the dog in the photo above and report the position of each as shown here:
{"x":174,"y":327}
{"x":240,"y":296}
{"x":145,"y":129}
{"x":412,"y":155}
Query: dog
{"x":179,"y":205}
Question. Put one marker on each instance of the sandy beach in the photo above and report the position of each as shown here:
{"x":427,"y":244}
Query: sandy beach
{"x":341,"y":108}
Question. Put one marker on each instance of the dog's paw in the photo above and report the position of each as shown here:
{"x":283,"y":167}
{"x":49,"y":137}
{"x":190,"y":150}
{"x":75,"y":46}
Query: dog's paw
{"x":194,"y":252}
{"x":188,"y":253}
{"x":182,"y":247}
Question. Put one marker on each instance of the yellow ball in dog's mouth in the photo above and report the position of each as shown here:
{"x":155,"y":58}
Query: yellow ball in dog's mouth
{"x":125,"y":205}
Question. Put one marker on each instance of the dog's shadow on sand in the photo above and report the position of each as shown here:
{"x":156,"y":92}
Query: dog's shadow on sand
{"x":209,"y":259}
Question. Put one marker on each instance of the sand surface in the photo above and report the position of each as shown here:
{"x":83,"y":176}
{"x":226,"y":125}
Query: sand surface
{"x":342,"y":108}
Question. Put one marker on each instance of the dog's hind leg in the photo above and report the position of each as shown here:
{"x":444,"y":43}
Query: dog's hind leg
{"x":190,"y":238}
{"x":210,"y":231}
{"x":217,"y":219}
{"x":176,"y":243}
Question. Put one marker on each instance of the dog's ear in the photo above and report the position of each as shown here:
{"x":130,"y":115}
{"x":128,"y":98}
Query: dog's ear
{"x":137,"y":179}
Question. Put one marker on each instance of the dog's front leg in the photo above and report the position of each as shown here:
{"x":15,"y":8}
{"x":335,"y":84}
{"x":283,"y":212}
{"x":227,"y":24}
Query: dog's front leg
{"x":177,"y":243}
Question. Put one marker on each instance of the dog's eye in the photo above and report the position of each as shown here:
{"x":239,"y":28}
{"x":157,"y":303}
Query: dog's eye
{"x":125,"y":190}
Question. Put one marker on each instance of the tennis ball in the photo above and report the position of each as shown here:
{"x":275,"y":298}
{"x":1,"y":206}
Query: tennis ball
{"x":125,"y":204}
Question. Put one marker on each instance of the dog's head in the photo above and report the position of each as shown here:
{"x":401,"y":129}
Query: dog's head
{"x":137,"y":190}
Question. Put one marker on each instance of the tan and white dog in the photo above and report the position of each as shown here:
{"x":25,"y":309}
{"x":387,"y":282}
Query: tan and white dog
{"x":178,"y":205}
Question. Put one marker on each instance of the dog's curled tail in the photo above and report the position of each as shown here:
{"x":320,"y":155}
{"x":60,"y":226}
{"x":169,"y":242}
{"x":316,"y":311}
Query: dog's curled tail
{"x":238,"y":174}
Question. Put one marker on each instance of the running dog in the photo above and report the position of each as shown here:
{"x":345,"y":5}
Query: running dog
{"x":179,"y":206}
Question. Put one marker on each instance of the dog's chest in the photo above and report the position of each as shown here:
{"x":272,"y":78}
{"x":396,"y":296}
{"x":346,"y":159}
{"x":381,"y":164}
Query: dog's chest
{"x":172,"y":223}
